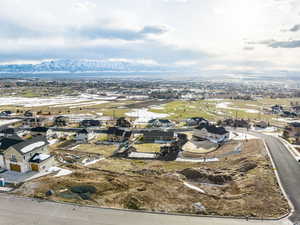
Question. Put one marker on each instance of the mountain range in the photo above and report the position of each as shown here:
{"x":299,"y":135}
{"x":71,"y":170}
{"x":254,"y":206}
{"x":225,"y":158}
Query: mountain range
{"x":68,"y":65}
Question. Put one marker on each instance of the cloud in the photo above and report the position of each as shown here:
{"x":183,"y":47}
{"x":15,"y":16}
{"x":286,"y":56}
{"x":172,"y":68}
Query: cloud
{"x":295,"y":28}
{"x":285,"y":44}
{"x":11,"y":29}
{"x":249,"y":48}
{"x":95,"y":32}
{"x":150,"y":50}
{"x":262,"y":42}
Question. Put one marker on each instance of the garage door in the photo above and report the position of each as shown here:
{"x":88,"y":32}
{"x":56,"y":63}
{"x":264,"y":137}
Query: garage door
{"x":34,"y":167}
{"x":15,"y":167}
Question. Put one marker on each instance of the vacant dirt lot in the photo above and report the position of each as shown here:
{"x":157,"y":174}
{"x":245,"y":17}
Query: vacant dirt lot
{"x":239,"y":185}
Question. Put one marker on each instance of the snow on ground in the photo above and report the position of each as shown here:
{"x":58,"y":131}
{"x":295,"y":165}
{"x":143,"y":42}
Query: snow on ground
{"x":250,"y":110}
{"x":61,"y":171}
{"x":144,"y":115}
{"x":80,"y":117}
{"x":267,"y":129}
{"x":53,"y":141}
{"x":82,"y":104}
{"x":53,"y":101}
{"x":288,"y":120}
{"x":86,"y":162}
{"x":197,"y":160}
{"x":214,"y":99}
{"x":7,"y":122}
{"x":193,"y":187}
{"x":226,"y":105}
{"x":241,"y":136}
{"x":159,"y":107}
{"x":141,"y":155}
{"x":73,"y":148}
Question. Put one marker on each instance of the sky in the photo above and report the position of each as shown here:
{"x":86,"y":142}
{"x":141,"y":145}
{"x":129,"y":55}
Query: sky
{"x":236,"y":37}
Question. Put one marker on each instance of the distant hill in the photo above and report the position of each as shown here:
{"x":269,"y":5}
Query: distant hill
{"x":67,"y":65}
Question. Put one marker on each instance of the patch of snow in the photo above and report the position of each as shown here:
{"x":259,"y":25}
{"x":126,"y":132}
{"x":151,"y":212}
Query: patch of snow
{"x":241,"y":136}
{"x":8,"y":122}
{"x":61,"y":171}
{"x":159,"y":107}
{"x":226,"y":105}
{"x":73,"y":148}
{"x":32,"y":146}
{"x":52,"y":141}
{"x":267,"y":129}
{"x":287,"y":120}
{"x":197,"y":160}
{"x":144,"y":115}
{"x":86,"y":162}
{"x":193,"y":187}
{"x":141,"y":155}
{"x":214,"y":99}
{"x":52,"y":101}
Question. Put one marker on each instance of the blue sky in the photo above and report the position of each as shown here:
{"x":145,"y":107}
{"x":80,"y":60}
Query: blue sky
{"x":215,"y":36}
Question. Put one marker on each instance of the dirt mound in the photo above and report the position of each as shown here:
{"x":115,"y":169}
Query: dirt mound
{"x":246,"y":166}
{"x":202,"y":176}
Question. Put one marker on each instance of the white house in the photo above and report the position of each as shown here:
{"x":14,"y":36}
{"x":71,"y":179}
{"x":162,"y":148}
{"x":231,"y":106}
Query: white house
{"x":25,"y":155}
{"x":84,"y":136}
{"x":211,"y":133}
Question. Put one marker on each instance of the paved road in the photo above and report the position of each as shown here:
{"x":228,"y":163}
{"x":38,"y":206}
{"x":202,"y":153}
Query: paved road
{"x":288,"y":170}
{"x":22,"y":211}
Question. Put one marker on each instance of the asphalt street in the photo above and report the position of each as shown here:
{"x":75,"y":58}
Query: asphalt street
{"x":24,"y":211}
{"x":288,"y":170}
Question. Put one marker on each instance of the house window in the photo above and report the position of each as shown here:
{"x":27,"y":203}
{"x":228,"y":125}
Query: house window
{"x":13,"y":158}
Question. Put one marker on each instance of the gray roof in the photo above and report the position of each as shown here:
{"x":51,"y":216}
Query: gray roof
{"x":6,"y":142}
{"x":27,"y":142}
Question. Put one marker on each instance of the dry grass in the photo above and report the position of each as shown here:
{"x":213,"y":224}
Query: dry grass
{"x":105,"y":150}
{"x":147,"y":147}
{"x":120,"y":184}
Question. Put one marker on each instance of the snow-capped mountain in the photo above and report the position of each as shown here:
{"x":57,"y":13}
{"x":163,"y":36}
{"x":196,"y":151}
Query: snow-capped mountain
{"x":67,"y":65}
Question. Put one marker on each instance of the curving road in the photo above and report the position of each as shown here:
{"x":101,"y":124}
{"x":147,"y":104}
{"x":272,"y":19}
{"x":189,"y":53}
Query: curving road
{"x":288,"y":170}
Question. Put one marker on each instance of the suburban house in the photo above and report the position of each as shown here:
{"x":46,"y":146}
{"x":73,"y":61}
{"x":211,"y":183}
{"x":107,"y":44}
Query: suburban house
{"x":84,"y":136}
{"x":21,"y":155}
{"x":236,"y":123}
{"x":211,"y":133}
{"x":33,"y":122}
{"x":261,"y":124}
{"x":288,"y":114}
{"x":158,"y":136}
{"x":296,"y":109}
{"x":194,"y":121}
{"x":7,"y":132}
{"x":276,"y":109}
{"x":5,"y":113}
{"x":44,"y":131}
{"x":28,"y":113}
{"x":160,"y":123}
{"x":122,"y":122}
{"x":292,"y":131}
{"x":90,"y":123}
{"x":61,"y":121}
{"x":115,"y":134}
